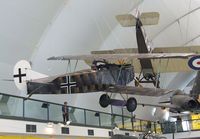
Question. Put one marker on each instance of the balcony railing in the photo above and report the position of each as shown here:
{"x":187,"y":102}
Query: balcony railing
{"x":15,"y":107}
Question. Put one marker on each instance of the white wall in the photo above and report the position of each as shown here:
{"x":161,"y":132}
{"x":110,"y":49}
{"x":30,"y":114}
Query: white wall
{"x":22,"y":25}
{"x":19,"y":127}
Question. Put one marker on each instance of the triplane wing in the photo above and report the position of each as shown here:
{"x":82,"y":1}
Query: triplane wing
{"x":128,"y":20}
{"x":115,"y":57}
{"x":159,"y":65}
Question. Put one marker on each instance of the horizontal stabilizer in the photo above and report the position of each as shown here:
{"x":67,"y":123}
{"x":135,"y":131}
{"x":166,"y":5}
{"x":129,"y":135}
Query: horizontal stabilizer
{"x":128,"y":20}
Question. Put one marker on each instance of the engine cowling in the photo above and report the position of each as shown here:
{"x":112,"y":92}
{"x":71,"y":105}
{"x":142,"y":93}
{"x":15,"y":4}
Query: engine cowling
{"x":184,"y":101}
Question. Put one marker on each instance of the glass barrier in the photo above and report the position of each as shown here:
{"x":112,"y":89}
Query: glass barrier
{"x":11,"y":106}
{"x":117,"y":121}
{"x":55,"y":112}
{"x":92,"y":118}
{"x":77,"y":116}
{"x":30,"y":109}
{"x":137,"y":125}
{"x":33,"y":109}
{"x":105,"y":120}
{"x":128,"y":123}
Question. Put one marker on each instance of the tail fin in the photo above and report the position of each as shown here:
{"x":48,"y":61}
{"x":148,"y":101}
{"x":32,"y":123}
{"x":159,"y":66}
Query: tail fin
{"x":22,"y":73}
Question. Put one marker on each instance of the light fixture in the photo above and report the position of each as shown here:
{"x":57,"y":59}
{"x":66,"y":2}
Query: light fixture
{"x":186,"y":112}
{"x":61,"y":124}
{"x":50,"y":124}
{"x":116,"y":128}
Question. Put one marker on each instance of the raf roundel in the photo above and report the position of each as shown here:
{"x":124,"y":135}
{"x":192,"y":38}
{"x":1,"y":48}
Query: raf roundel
{"x":194,"y":63}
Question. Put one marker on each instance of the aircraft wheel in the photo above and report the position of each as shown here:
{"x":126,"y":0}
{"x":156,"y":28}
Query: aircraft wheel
{"x":131,"y":104}
{"x":104,"y":100}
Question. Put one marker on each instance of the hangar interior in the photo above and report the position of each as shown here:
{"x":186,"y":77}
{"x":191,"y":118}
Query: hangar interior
{"x":35,"y":30}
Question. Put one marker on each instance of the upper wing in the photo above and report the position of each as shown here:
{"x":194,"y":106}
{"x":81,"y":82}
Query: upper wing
{"x":159,"y":65}
{"x":114,"y":57}
{"x":188,"y":49}
{"x":156,"y":92}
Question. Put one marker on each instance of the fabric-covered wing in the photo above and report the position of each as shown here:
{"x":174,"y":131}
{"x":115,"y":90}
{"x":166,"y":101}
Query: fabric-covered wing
{"x":116,"y":51}
{"x":155,"y":92}
{"x":188,"y":49}
{"x":114,"y":57}
{"x":159,"y":65}
{"x":128,"y":20}
{"x":174,"y":65}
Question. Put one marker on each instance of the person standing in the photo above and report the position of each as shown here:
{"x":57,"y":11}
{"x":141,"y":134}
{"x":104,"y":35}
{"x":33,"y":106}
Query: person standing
{"x":65,"y":113}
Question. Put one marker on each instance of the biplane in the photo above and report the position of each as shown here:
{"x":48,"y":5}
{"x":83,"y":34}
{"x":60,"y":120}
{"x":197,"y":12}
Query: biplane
{"x":102,"y":76}
{"x":149,"y":69}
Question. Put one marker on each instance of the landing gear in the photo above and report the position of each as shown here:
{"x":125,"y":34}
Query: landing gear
{"x":148,"y":77}
{"x":104,"y":100}
{"x":131,"y":103}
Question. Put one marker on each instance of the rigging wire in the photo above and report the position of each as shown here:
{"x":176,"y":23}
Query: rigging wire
{"x":176,"y":20}
{"x":99,"y":29}
{"x":188,"y":18}
{"x":194,"y":38}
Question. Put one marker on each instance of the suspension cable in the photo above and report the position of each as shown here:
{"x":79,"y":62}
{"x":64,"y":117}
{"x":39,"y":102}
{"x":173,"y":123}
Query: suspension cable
{"x":176,"y":20}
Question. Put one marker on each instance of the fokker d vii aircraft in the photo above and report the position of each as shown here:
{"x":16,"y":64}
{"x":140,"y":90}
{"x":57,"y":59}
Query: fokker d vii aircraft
{"x":149,"y":69}
{"x":100,"y":77}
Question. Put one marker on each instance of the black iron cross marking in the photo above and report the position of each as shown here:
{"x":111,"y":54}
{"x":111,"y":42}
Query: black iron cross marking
{"x":69,"y":84}
{"x":19,"y":75}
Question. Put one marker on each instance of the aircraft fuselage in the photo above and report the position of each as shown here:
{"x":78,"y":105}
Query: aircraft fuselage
{"x":85,"y":81}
